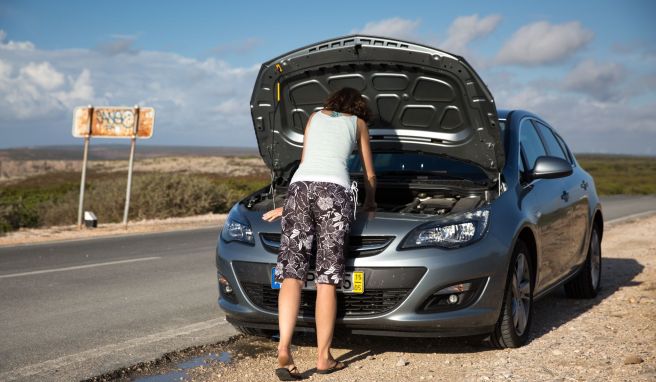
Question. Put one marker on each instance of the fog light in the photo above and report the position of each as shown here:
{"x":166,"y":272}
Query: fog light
{"x":454,"y":296}
{"x":225,"y":285}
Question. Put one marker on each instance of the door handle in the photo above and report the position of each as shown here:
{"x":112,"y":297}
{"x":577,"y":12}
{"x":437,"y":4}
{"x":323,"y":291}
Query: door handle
{"x":565,"y":196}
{"x":584,"y":185}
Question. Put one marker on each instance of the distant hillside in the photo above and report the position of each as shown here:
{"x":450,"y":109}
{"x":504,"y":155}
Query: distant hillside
{"x":120,"y":152}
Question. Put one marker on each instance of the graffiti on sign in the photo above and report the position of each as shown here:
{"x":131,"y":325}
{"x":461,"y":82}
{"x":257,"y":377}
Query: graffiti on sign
{"x":113,"y":122}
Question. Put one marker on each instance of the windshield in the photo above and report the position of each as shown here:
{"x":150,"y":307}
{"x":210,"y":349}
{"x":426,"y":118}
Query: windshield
{"x":398,"y":163}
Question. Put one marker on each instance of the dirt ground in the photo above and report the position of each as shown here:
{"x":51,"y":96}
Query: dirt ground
{"x":13,"y":170}
{"x":609,"y":338}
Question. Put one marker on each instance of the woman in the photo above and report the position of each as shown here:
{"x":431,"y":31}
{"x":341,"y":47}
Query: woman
{"x":320,"y":203}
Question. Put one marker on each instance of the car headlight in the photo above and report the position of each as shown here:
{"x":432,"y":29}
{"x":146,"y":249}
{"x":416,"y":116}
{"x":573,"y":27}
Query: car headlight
{"x":234,"y":230}
{"x":451,"y":232}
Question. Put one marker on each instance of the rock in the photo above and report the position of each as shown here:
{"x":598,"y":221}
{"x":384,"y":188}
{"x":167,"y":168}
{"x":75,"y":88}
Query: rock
{"x":633,"y":360}
{"x":506,"y":374}
{"x":401,"y":362}
{"x":557,"y":352}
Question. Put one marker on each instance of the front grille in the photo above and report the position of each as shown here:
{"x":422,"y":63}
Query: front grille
{"x":359,"y":246}
{"x":374,"y":301}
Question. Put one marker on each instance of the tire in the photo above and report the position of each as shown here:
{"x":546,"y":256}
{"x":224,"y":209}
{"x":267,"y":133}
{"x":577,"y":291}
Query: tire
{"x":586,"y":283}
{"x":514,"y":324}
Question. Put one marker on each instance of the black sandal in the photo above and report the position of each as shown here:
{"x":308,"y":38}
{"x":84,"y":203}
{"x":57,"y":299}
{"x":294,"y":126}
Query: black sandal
{"x":336,"y":367}
{"x":285,"y":374}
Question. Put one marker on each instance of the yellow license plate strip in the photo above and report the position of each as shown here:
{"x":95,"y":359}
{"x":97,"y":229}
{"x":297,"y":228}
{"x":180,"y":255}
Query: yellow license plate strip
{"x":358,"y":282}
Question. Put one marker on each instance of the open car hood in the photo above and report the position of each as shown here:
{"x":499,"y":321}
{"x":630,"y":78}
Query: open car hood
{"x":422,"y":100}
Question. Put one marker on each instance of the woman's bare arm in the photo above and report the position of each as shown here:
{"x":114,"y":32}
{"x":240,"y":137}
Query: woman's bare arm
{"x":367,"y":166}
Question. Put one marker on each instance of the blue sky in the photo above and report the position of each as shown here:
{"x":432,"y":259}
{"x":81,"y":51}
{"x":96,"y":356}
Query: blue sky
{"x":588,"y":67}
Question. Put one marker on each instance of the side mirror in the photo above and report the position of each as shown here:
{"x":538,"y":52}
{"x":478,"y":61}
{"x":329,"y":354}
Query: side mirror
{"x":551,"y":167}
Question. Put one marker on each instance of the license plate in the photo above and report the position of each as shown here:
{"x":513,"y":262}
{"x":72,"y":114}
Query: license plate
{"x":353,"y":282}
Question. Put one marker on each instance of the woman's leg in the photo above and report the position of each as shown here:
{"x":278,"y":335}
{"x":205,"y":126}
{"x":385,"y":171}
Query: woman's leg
{"x":325,"y":313}
{"x":292,"y":266}
{"x":289,"y":301}
{"x":333,"y":210}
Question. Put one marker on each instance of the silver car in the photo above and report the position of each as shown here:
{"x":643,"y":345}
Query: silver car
{"x":480,"y":212}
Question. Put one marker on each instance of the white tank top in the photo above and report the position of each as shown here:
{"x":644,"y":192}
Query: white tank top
{"x":328,"y":143}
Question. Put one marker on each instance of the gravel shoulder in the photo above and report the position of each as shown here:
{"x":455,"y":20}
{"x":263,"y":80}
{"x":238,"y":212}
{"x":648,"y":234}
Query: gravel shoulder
{"x":609,"y":338}
{"x":71,"y":232}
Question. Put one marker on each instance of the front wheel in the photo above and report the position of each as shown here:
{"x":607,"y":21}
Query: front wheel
{"x":512,"y":329}
{"x":586,"y":283}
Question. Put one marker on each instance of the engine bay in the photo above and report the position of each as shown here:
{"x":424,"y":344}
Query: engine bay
{"x":399,"y":198}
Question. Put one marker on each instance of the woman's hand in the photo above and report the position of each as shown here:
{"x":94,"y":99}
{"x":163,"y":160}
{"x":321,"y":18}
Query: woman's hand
{"x":272,"y":215}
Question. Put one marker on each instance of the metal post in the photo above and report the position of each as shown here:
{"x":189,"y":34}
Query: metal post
{"x":132,"y":147}
{"x":84,"y":170}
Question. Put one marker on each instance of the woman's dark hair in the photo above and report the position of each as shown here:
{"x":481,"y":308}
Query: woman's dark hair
{"x":350,"y":101}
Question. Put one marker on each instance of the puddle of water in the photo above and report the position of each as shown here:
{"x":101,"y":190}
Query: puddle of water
{"x":180,"y":370}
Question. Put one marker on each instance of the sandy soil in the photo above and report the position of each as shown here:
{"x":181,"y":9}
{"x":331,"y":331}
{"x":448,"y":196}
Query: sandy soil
{"x":609,"y":338}
{"x":11,"y":170}
{"x":69,"y":232}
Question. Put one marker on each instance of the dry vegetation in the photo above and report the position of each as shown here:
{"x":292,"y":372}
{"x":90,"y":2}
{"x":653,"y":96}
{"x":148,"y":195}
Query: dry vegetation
{"x":37,"y":192}
{"x":621,"y":174}
{"x":42,"y":193}
{"x":13,"y":170}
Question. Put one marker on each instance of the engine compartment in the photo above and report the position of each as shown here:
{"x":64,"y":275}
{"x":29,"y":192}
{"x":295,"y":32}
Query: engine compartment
{"x":428,"y":201}
{"x":399,"y":198}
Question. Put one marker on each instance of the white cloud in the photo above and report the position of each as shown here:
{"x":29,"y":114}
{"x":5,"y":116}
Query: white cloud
{"x":599,"y":81}
{"x":197,"y":101}
{"x":13,"y":45}
{"x":587,"y":124}
{"x":80,"y":91}
{"x":5,"y":70}
{"x":466,"y":29}
{"x":39,"y":90}
{"x":43,"y":75}
{"x":396,"y":27}
{"x":118,"y":45}
{"x":544,"y":43}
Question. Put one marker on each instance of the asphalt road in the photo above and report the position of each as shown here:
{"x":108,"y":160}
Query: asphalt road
{"x":76,"y":309}
{"x":71,"y":310}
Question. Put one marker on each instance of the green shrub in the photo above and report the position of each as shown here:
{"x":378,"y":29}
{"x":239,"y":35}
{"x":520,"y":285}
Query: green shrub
{"x":34,"y":203}
{"x":621,"y":174}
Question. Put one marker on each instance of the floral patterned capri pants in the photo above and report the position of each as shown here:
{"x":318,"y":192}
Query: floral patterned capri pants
{"x":315,"y":209}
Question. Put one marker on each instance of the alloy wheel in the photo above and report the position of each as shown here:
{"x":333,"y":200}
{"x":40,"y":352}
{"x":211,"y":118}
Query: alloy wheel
{"x":521,"y":294}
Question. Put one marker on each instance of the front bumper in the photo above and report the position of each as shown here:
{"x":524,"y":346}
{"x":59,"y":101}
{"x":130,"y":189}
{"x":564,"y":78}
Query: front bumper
{"x":402,"y":279}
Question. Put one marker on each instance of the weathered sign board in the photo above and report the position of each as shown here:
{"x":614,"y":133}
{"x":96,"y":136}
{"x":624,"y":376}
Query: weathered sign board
{"x":113,"y":122}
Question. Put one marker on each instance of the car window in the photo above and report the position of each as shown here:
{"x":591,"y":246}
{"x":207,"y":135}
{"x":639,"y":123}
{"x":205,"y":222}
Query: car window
{"x":531,"y":143}
{"x":551,"y":142}
{"x":565,"y":148}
